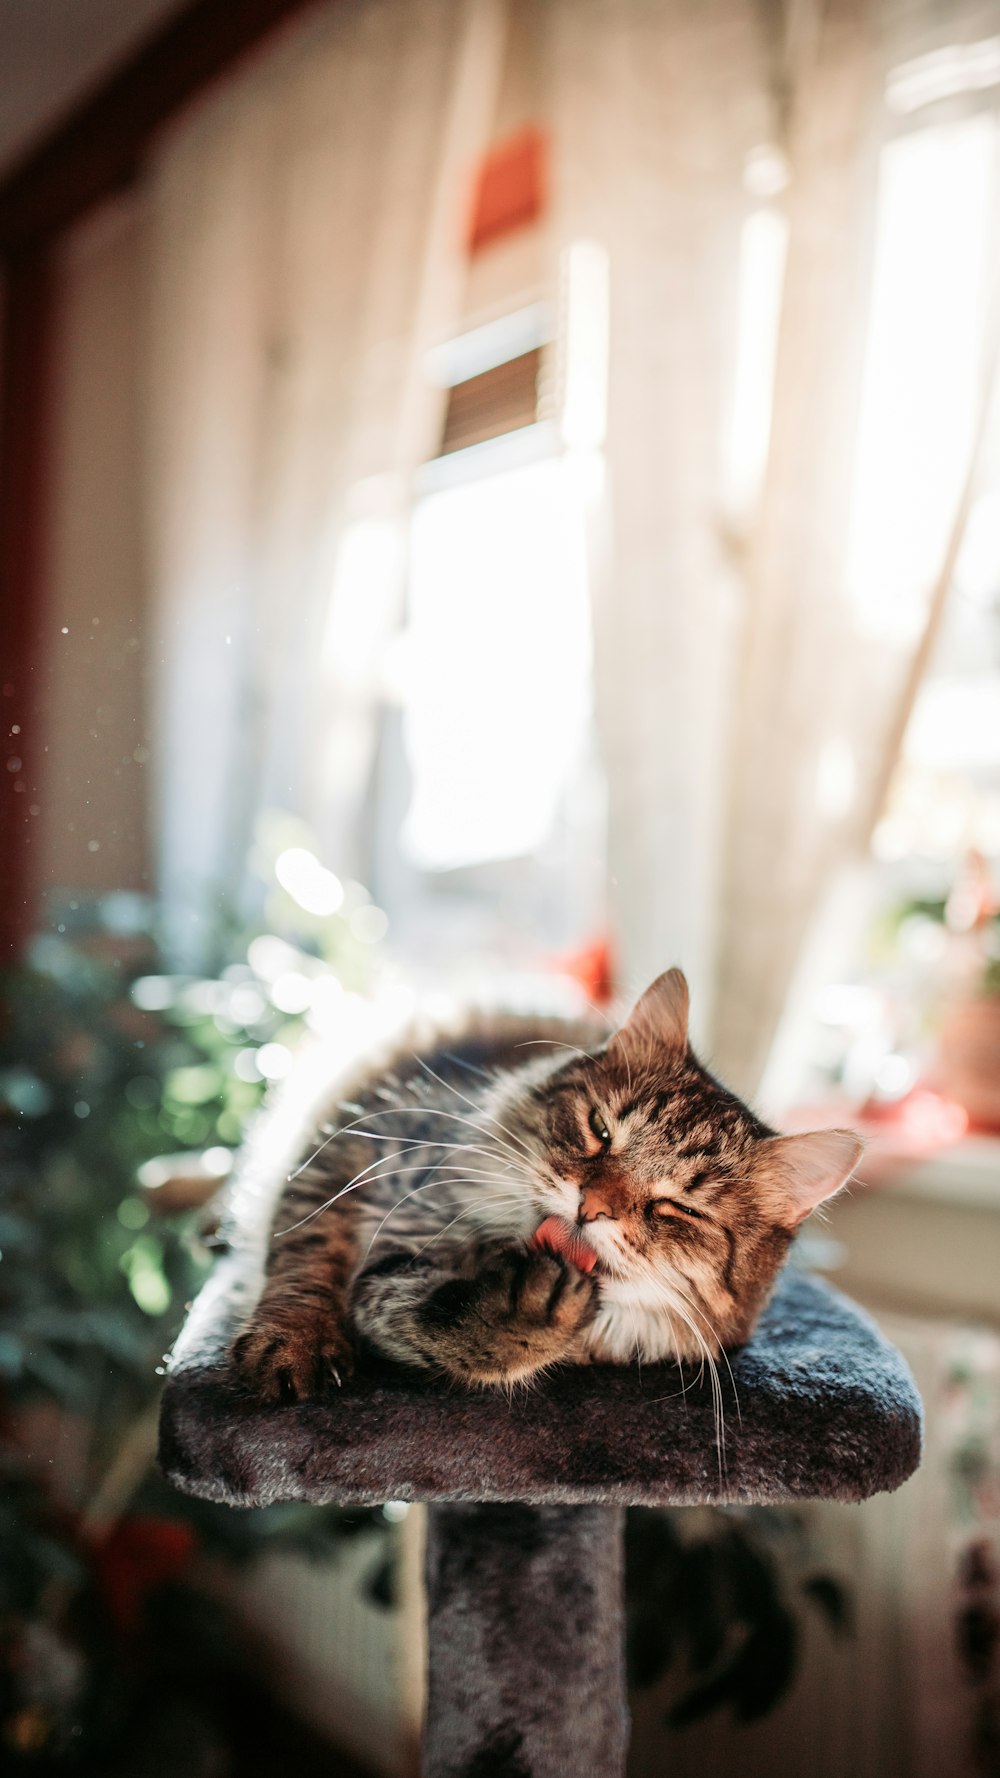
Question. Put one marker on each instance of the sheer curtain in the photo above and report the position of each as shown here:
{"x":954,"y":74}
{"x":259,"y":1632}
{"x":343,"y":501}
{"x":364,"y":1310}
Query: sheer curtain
{"x":748,"y":705}
{"x":304,"y":246}
{"x":863,"y":506}
{"x":653,"y":112}
{"x":797,"y":639}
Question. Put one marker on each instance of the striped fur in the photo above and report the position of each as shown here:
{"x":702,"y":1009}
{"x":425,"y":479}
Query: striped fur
{"x":411,"y":1202}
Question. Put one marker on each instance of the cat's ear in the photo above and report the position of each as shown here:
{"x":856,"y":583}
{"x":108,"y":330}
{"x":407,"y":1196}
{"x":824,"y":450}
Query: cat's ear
{"x":659,"y":1016}
{"x":800,"y":1172}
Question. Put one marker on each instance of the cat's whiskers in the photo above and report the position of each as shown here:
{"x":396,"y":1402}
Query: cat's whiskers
{"x":351,"y":1185}
{"x":463,"y":1118}
{"x":386,"y":1136}
{"x":470,"y":1067}
{"x":373,"y":1112}
{"x":419,"y":1110}
{"x":450,"y":1088}
{"x":676,"y":1301}
{"x":470,"y":1209}
{"x":408,"y":1143}
{"x":369,"y":1174}
{"x":553,"y":1043}
{"x":699,"y":1310}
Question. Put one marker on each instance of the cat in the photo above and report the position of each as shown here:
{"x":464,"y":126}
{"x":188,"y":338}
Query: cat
{"x":530,"y":1191}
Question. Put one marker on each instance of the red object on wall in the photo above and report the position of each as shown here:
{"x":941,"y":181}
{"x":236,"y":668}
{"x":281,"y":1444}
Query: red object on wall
{"x":510,"y":189}
{"x":591,"y":965}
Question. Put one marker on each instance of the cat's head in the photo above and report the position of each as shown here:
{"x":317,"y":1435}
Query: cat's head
{"x":678,"y":1187}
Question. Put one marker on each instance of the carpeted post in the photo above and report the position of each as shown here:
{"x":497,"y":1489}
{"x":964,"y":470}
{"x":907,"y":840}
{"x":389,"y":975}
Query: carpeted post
{"x":525,"y":1629}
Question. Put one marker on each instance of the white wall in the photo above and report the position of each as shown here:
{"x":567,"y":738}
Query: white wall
{"x":91,"y":821}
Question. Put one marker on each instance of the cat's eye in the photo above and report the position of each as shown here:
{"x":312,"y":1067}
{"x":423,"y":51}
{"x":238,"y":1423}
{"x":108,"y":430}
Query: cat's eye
{"x":663,"y":1207}
{"x":598,"y":1128}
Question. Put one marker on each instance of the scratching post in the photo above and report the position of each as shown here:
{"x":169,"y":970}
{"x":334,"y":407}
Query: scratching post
{"x":525,"y":1537}
{"x":524,"y":1613}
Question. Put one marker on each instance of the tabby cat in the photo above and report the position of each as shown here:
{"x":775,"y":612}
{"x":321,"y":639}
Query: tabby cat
{"x":526,"y":1192}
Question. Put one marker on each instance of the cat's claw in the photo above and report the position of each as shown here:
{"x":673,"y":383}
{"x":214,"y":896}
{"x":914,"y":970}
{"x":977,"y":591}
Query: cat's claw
{"x":288,"y":1364}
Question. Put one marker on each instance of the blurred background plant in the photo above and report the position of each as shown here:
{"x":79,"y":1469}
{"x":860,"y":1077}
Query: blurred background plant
{"x":103,"y":1064}
{"x":911,"y":1037}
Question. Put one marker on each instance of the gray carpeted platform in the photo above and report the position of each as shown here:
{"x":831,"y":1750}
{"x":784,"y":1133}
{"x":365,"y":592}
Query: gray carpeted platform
{"x":818,"y":1405}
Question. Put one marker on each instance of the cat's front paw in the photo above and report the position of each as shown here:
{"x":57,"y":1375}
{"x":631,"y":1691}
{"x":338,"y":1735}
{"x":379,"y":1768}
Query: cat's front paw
{"x":522,"y":1312}
{"x":281,"y":1361}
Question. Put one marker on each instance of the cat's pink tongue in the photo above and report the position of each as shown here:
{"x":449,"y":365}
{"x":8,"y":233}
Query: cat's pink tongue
{"x":556,"y":1235}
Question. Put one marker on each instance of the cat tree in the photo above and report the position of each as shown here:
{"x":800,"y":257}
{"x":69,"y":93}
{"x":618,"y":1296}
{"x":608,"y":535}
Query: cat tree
{"x":527,"y":1497}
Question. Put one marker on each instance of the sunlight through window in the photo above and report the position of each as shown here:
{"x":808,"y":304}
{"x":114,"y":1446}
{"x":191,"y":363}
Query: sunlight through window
{"x":763,"y":243}
{"x":498,"y":681}
{"x":923,"y":372}
{"x":944,"y":73}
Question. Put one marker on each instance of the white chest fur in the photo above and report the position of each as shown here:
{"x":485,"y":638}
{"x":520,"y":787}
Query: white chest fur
{"x":631,"y":1324}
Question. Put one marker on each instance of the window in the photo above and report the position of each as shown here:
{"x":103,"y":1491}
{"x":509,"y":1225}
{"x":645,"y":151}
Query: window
{"x":489,"y":816}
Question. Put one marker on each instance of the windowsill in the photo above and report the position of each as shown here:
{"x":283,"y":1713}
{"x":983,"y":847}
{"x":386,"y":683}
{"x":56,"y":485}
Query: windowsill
{"x":964,"y":1177}
{"x":964,"y":1174}
{"x":922,"y":1236}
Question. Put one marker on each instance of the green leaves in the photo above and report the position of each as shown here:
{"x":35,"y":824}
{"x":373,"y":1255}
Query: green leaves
{"x":106,"y":1061}
{"x":103,"y":1066}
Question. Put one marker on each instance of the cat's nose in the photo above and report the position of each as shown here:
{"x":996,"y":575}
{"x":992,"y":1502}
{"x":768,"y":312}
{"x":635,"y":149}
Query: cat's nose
{"x":593,"y":1204}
